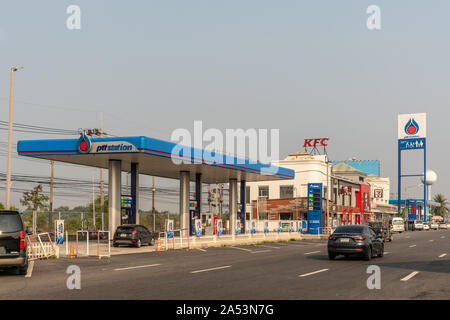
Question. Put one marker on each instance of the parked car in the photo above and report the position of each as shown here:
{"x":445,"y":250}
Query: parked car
{"x":418,"y":225}
{"x":443,"y":225}
{"x":379,"y":228}
{"x":434,"y":225}
{"x":133,"y":234}
{"x":426,"y":226}
{"x":13,"y":246}
{"x":355,"y":239}
{"x":398,"y":225}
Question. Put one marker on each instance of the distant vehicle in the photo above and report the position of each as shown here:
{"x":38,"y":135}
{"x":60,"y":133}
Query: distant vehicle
{"x":443,"y":225}
{"x":398,"y":225}
{"x":426,"y":226}
{"x":434,"y":225}
{"x":355,"y":239}
{"x":133,"y":234}
{"x":418,"y":225}
{"x":13,"y":245}
{"x":384,"y":230}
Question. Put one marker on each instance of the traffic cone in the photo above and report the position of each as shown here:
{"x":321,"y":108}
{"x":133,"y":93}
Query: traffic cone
{"x":158,"y":243}
{"x":72,"y":253}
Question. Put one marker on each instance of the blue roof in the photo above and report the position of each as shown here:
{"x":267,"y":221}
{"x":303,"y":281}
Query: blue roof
{"x":67,"y":150}
{"x":366,"y":166}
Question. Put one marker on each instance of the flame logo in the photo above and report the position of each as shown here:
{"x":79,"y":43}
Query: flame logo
{"x":411,"y":127}
{"x":84,"y":143}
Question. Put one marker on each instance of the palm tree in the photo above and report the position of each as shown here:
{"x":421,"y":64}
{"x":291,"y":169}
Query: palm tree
{"x":443,"y":209}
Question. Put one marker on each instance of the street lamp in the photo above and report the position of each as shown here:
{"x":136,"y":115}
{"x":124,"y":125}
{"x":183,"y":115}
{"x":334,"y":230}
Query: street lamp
{"x":8,"y":163}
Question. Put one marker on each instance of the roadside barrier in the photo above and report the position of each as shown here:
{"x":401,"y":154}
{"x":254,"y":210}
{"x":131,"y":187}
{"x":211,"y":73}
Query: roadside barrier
{"x":100,"y":246}
{"x":40,"y":246}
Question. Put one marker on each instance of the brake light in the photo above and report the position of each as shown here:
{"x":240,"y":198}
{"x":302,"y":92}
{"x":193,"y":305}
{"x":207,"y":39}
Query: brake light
{"x":22,"y":240}
{"x":134,"y":231}
{"x":332,"y":238}
{"x":359,"y":238}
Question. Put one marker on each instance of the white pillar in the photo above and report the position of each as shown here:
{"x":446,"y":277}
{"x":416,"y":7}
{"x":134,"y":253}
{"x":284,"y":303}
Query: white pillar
{"x":184,"y":202}
{"x":114,"y":194}
{"x":233,"y":205}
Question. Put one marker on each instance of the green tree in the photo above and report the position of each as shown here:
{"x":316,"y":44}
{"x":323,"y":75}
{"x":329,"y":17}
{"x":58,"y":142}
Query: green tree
{"x":36,"y":200}
{"x":2,"y":206}
{"x":443,"y":209}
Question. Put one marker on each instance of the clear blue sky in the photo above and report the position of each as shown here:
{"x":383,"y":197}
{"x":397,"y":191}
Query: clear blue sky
{"x":309,"y":68}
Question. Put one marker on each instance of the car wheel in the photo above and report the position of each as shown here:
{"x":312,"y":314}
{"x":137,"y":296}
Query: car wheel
{"x":138,"y":243}
{"x":381,"y":253}
{"x":368,"y":254}
{"x":22,"y":270}
{"x":331,"y":256}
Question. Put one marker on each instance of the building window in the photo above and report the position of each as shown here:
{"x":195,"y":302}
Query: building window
{"x":262,"y":216}
{"x":286,"y":192}
{"x":263,"y":191}
{"x":286,"y":216}
{"x":335,"y":195}
{"x":247,"y":195}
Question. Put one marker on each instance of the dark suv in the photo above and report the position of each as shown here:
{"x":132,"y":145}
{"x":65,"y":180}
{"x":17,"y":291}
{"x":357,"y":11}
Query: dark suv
{"x":13,"y":246}
{"x":133,"y":234}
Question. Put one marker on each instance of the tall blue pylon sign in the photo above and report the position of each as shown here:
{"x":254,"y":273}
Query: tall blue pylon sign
{"x":412,"y":135}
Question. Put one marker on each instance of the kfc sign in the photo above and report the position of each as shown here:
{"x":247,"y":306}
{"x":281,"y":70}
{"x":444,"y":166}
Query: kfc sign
{"x":321,"y":142}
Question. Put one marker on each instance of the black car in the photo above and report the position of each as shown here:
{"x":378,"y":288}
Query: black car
{"x":355,"y":239}
{"x":133,"y":234}
{"x":13,"y":245}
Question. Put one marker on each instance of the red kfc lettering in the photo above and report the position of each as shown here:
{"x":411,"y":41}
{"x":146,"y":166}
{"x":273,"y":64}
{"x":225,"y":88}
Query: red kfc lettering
{"x":322,"y":142}
{"x":307,"y":143}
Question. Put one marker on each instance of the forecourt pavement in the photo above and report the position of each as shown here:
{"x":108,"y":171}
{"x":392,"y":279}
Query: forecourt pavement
{"x":416,"y":265}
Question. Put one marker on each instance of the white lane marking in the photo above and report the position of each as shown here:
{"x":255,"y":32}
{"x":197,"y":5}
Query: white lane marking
{"x":442,"y":255}
{"x":241,"y":249}
{"x":409,"y":276}
{"x":262,"y":245}
{"x":311,"y":273}
{"x":442,"y":237}
{"x":431,"y":240}
{"x":261,"y":251}
{"x":312,"y":252}
{"x":138,"y":267}
{"x":201,"y":249}
{"x":30,"y":269}
{"x":386,"y":252}
{"x":412,"y":246}
{"x":407,"y":237}
{"x":211,"y":269}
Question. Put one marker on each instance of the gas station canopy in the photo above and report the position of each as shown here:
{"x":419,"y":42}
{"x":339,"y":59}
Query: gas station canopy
{"x":155,"y":157}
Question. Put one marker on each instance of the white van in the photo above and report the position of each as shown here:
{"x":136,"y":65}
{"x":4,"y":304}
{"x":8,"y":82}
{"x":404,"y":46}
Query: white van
{"x":398,"y":225}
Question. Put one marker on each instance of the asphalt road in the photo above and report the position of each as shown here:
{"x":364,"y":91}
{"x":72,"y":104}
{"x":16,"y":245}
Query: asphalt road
{"x":416,"y":265}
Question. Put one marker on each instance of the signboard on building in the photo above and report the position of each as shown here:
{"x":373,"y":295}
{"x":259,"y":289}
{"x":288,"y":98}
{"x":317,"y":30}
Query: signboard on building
{"x":314,"y":213}
{"x":59,"y":231}
{"x":411,"y":206}
{"x":378,"y":193}
{"x":412,"y":126}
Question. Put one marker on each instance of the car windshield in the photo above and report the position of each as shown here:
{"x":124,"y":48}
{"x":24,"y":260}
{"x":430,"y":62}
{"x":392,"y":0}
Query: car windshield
{"x":128,"y":228}
{"x":397,"y":222}
{"x":349,"y":229}
{"x":10,"y":223}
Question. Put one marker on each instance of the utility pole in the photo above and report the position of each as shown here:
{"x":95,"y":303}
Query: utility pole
{"x":93,"y":203}
{"x":153,"y":204}
{"x":50,"y":213}
{"x":10,"y":125}
{"x":102,"y":187}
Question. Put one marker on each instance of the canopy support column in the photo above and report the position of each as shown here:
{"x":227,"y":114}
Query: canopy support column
{"x":233,"y":205}
{"x":135,"y":193}
{"x":184,"y":202}
{"x":114,"y":194}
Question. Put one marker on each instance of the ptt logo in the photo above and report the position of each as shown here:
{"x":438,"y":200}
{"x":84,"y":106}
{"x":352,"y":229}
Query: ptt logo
{"x":114,"y":147}
{"x":411,"y":127}
{"x":314,"y":142}
{"x":84,"y":143}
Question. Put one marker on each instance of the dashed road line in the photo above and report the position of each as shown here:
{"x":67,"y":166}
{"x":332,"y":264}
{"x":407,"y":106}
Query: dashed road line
{"x":138,"y":267}
{"x":30,"y":269}
{"x":261,"y":251}
{"x":412,"y":246}
{"x":262,"y":245}
{"x":409,"y":276}
{"x":312,"y":252}
{"x":241,"y":249}
{"x":311,"y":273}
{"x":211,"y":269}
{"x":431,"y":240}
{"x":442,"y":255}
{"x":201,"y":249}
{"x":442,"y":237}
